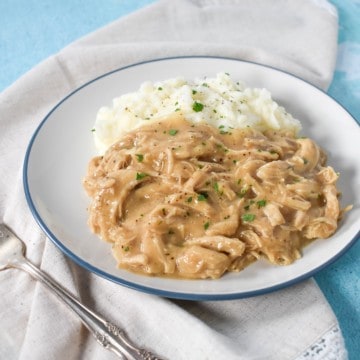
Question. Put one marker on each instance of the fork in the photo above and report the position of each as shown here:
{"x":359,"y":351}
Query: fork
{"x":111,"y":337}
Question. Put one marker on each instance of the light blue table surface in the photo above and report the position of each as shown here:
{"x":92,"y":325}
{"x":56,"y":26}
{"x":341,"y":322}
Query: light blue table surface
{"x":32,"y":30}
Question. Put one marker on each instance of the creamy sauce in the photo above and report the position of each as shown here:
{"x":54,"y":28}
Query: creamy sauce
{"x":194,"y":201}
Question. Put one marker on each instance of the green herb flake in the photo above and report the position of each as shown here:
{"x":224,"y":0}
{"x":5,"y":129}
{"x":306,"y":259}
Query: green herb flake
{"x":248,"y":217}
{"x":141,"y":175}
{"x":194,"y":92}
{"x":139,"y":157}
{"x":261,"y":203}
{"x":206,"y":225}
{"x":197,"y":106}
{"x":203,"y":196}
{"x":217,"y":188}
{"x":160,"y":88}
{"x":189,"y":199}
{"x":126,"y":248}
{"x":93,"y":129}
{"x":173,"y":132}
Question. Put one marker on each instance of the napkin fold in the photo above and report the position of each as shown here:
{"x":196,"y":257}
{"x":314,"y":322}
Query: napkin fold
{"x":299,"y":37}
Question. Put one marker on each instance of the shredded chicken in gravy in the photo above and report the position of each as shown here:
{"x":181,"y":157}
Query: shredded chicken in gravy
{"x":193,"y":201}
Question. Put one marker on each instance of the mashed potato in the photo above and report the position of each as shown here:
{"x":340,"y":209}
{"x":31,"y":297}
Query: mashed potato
{"x":219,"y":101}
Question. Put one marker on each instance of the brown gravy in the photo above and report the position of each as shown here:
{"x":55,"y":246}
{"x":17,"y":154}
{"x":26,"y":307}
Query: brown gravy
{"x":193,"y":201}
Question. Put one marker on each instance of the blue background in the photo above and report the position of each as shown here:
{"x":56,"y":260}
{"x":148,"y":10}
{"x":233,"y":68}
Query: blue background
{"x":32,"y":30}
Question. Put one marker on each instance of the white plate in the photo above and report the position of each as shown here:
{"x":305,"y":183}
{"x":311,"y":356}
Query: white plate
{"x":58,"y":154}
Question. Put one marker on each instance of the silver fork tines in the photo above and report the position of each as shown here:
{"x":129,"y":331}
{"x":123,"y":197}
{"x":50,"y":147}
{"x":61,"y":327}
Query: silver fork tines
{"x":12,"y":255}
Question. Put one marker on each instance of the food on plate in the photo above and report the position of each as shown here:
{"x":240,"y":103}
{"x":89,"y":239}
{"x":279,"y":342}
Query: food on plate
{"x":218,"y":101}
{"x":188,"y":196}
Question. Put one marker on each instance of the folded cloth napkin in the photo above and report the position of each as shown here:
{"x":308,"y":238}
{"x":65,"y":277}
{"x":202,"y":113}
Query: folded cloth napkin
{"x":298,"y":36}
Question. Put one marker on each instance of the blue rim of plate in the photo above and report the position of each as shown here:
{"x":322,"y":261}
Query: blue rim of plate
{"x":150,"y":290}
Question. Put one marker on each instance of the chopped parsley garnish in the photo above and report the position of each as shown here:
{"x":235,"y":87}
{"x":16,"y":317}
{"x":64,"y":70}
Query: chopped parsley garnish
{"x":206,"y":225}
{"x":141,"y":175}
{"x":160,"y":88}
{"x":93,"y":129}
{"x":217,"y":188}
{"x":189,"y":199}
{"x":248,"y":217}
{"x":203,"y":196}
{"x":261,"y":203}
{"x":194,"y":92}
{"x":173,"y":132}
{"x":126,"y":248}
{"x":222,"y":147}
{"x":197,"y":106}
{"x":140,"y":157}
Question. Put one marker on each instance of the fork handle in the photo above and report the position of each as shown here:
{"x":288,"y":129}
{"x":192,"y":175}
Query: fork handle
{"x":107,"y":334}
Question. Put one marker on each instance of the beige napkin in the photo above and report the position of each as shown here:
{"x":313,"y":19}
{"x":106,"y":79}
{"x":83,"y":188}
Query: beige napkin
{"x":298,"y":36}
